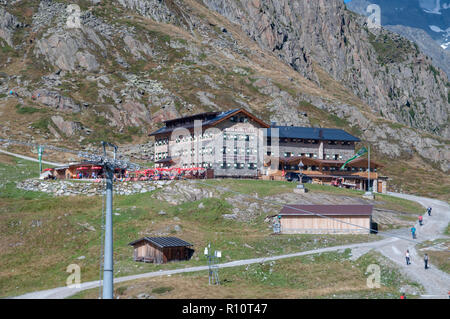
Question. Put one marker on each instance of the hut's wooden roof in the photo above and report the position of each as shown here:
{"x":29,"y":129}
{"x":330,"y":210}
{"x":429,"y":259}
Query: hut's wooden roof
{"x":163,"y":241}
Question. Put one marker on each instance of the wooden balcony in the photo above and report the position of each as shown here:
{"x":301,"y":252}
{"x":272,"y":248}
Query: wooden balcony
{"x":373,"y":175}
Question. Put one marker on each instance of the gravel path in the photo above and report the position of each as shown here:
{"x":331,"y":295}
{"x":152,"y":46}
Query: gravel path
{"x":435,"y":282}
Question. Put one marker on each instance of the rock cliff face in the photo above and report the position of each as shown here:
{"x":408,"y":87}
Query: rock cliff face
{"x":387,"y":72}
{"x":8,"y":25}
{"x":132,"y":64}
{"x":440,"y":58}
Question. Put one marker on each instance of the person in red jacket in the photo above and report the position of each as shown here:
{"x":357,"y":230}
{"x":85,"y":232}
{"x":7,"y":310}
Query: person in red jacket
{"x":420,"y":220}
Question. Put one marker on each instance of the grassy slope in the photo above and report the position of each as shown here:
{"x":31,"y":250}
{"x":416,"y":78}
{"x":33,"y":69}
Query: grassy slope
{"x":438,"y":252}
{"x":327,"y":275}
{"x":42,"y":235}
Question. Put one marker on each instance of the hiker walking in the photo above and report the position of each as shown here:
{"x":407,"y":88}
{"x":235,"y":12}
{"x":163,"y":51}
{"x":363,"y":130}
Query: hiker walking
{"x":429,"y":211}
{"x":407,"y":258}
{"x":403,"y":296}
{"x":413,"y":232}
{"x":425,"y":259}
{"x":420,"y":220}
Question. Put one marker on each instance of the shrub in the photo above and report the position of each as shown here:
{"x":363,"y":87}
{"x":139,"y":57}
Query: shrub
{"x":26,"y":109}
{"x":161,"y":290}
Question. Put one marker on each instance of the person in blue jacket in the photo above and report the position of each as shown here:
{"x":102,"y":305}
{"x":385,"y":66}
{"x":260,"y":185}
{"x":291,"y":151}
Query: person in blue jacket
{"x":413,"y":232}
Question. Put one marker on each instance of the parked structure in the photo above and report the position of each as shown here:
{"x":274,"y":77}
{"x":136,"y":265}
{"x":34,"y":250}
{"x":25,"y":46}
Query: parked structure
{"x":342,"y":219}
{"x":161,"y":250}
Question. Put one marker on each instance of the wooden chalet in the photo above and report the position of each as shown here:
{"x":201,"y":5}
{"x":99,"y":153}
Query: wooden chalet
{"x":328,"y":172}
{"x":161,"y":250}
{"x":326,"y":219}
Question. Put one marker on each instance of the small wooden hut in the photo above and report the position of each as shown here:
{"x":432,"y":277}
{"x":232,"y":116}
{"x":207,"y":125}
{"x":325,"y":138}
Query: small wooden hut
{"x":326,"y":219}
{"x":161,"y":249}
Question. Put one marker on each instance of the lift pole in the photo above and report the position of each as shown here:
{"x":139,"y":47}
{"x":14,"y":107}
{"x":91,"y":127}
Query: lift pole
{"x":108,"y":264}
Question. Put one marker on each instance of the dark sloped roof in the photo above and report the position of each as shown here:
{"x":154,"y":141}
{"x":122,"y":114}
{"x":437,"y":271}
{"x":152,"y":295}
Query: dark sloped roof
{"x":316,"y":133}
{"x":217,"y":117}
{"x":327,"y":210}
{"x":193,"y":117}
{"x":163,"y":241}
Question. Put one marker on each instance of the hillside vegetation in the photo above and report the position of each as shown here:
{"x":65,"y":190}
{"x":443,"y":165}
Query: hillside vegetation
{"x":43,"y":234}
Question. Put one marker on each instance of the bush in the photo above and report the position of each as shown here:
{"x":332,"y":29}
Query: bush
{"x":26,"y":109}
{"x":161,"y":290}
{"x":121,"y":290}
{"x":41,"y":124}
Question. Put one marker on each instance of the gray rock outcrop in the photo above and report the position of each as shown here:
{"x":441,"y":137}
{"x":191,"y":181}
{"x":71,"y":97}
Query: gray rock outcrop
{"x":8,"y":25}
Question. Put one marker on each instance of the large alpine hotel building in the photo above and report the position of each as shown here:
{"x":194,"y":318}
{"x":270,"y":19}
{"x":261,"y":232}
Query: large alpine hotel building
{"x":237,"y":144}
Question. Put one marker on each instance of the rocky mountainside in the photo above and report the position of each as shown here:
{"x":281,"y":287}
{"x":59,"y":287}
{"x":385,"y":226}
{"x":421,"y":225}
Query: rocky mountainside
{"x":377,"y":67}
{"x":425,"y":22}
{"x":116,"y":69}
{"x":440,"y":58}
{"x":431,"y":16}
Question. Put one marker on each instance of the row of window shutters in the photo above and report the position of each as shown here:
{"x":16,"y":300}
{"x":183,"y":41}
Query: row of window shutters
{"x":206,"y":136}
{"x":251,"y":166}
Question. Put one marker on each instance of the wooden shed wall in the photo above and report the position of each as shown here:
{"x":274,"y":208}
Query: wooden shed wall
{"x":159,"y":255}
{"x":148,"y":251}
{"x":319,"y":225}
